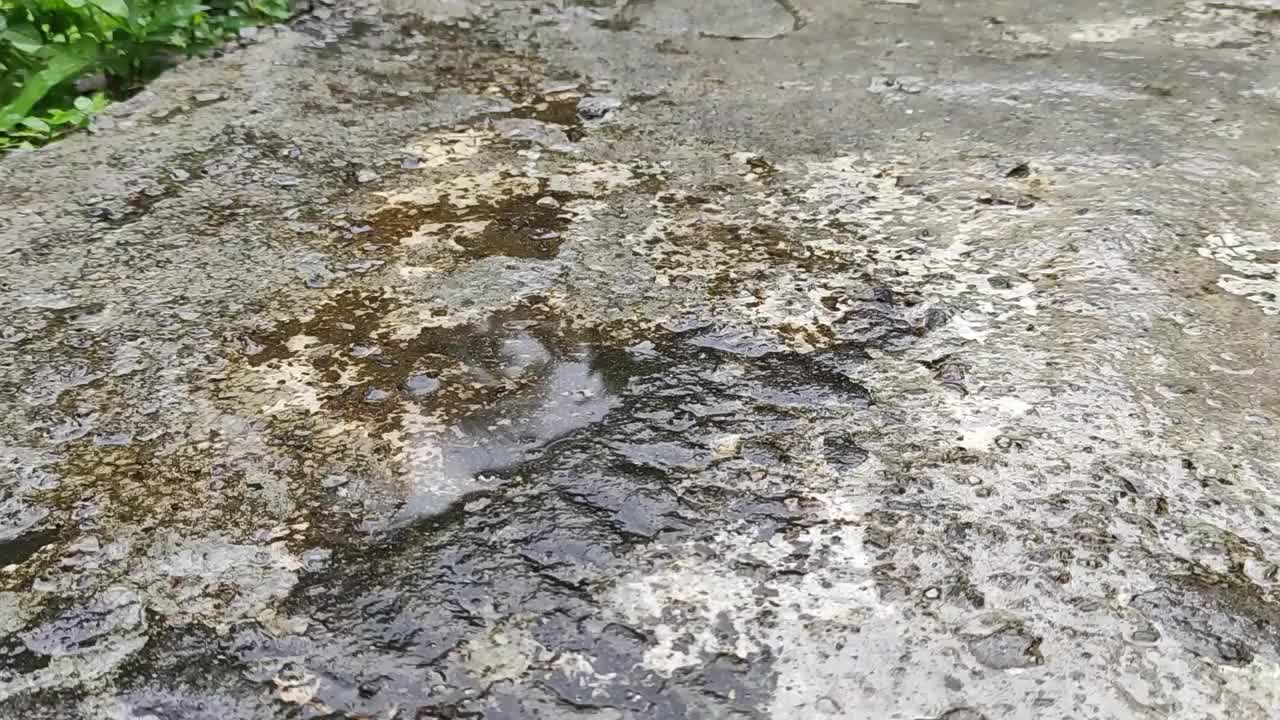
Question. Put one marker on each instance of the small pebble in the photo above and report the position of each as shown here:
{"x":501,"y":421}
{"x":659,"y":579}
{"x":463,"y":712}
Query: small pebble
{"x":333,"y":481}
{"x":90,"y":544}
{"x":827,"y":706}
{"x":1146,"y":636}
{"x":315,"y":559}
{"x":421,"y":385}
{"x":205,"y":98}
{"x":595,"y":107}
{"x":553,"y":87}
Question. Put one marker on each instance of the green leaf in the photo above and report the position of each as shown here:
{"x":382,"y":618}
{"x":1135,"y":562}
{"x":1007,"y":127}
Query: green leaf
{"x":112,"y":7}
{"x":64,"y":116}
{"x":84,"y":104}
{"x":24,"y":38}
{"x":36,"y":124}
{"x":74,"y":3}
{"x":66,"y":62}
{"x":173,"y":15}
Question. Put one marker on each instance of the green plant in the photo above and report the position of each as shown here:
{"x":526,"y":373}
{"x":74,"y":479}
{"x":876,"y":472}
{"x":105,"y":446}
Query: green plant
{"x":46,"y":45}
{"x":36,"y":129}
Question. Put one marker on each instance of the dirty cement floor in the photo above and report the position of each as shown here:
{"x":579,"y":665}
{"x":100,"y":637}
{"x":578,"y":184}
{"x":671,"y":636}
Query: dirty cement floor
{"x":675,"y":360}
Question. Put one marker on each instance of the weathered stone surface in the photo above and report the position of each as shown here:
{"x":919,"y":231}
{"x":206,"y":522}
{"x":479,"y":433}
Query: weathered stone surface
{"x":914,"y":362}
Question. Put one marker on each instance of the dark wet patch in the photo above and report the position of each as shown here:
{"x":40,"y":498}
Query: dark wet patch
{"x":1007,"y":648}
{"x":17,"y":659}
{"x":478,"y":371}
{"x":618,"y":22}
{"x":755,"y":20}
{"x":522,"y":226}
{"x":394,"y":223}
{"x":475,"y":374}
{"x":557,"y":109}
{"x":950,"y":371}
{"x":562,"y":111}
{"x":19,"y":549}
{"x":518,"y":227}
{"x":640,"y":98}
{"x":762,"y":169}
{"x":560,"y":521}
{"x":361,"y":29}
{"x":347,"y":319}
{"x":1020,"y":201}
{"x":140,"y":484}
{"x":351,"y":96}
{"x":593,"y":440}
{"x":740,"y":257}
{"x":1219,"y":618}
{"x":843,"y":451}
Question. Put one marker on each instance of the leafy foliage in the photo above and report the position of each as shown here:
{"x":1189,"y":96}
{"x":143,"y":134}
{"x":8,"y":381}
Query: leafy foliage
{"x":46,"y":46}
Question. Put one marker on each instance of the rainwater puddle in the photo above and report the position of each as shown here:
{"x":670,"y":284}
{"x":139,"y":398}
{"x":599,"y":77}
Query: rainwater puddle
{"x":471,"y":408}
{"x":533,"y":450}
{"x":544,"y":451}
{"x":538,"y":389}
{"x":548,"y":393}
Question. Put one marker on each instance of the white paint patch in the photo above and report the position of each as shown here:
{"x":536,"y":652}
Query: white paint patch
{"x":468,"y":190}
{"x":448,"y":148}
{"x":851,"y":190}
{"x":592,"y":178}
{"x":1255,"y":260}
{"x":1226,"y":38}
{"x":291,"y":386}
{"x":1111,"y":31}
{"x":298,"y":343}
{"x":984,"y":91}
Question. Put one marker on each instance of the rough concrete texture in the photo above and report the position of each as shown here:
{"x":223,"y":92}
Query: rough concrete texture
{"x":679,"y":359}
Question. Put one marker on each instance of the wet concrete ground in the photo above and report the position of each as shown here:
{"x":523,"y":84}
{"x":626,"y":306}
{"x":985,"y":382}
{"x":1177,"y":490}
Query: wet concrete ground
{"x":664,"y":360}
